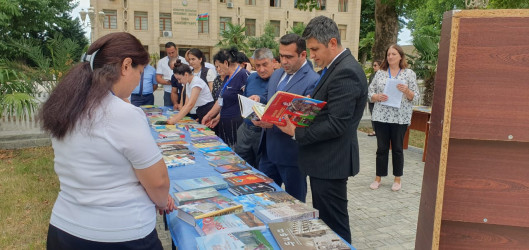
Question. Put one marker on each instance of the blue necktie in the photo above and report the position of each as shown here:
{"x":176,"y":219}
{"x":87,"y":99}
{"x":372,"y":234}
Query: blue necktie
{"x":283,"y":83}
{"x":141,"y":83}
{"x":321,"y":75}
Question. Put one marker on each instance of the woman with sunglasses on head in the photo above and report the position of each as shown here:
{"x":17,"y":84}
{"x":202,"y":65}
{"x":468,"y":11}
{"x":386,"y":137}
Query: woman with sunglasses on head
{"x":111,"y":173}
{"x":198,"y":96}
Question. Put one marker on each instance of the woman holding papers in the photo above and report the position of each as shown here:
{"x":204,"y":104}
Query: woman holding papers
{"x":111,"y":172}
{"x":393,"y":91}
{"x":198,"y":95}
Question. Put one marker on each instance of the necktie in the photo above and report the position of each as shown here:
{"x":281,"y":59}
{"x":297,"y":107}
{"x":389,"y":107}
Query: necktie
{"x":141,"y":84}
{"x":283,"y":83}
{"x":321,"y":75}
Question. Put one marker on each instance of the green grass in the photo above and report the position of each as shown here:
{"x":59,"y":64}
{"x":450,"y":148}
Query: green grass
{"x":28,"y":189}
{"x":416,"y":137}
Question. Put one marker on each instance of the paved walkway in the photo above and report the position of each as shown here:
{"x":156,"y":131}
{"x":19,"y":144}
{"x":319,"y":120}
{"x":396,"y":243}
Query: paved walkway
{"x":379,"y":219}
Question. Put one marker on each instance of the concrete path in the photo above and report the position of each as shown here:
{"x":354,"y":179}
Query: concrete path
{"x":379,"y":219}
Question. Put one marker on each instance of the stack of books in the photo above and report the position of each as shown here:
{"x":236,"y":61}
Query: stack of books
{"x":306,"y":234}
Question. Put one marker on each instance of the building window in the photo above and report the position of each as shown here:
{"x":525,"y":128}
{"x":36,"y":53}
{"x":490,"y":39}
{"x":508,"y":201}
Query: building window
{"x":140,"y":20}
{"x":223,"y":24}
{"x":275,"y":3}
{"x":250,"y":2}
{"x":294,"y":24}
{"x":343,"y":31}
{"x":250,"y":27}
{"x":165,"y":22}
{"x":203,"y":26}
{"x":111,"y":19}
{"x":342,"y":6}
{"x":321,"y":4}
{"x":277,"y":27}
{"x":222,"y":1}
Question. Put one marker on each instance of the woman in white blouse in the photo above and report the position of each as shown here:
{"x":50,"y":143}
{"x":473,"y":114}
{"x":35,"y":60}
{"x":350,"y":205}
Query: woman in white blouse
{"x":391,"y":120}
{"x":198,"y":95}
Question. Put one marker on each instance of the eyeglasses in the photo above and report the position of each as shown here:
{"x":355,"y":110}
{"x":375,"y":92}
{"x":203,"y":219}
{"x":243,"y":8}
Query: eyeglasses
{"x":375,"y":65}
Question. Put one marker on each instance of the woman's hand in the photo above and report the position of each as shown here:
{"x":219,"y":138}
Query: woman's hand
{"x":169,"y":208}
{"x":402,"y":88}
{"x":381,"y":97}
{"x":213,"y":122}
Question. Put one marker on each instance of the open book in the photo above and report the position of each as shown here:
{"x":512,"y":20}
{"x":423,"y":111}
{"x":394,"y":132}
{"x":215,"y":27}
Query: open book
{"x":302,"y":110}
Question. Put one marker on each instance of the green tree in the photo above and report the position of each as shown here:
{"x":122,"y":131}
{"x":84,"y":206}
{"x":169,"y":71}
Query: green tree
{"x":16,"y":92}
{"x":424,"y":64}
{"x":234,"y":36}
{"x":367,"y":30}
{"x":298,"y":29}
{"x":508,"y":4}
{"x":36,"y":20}
{"x":266,"y":40}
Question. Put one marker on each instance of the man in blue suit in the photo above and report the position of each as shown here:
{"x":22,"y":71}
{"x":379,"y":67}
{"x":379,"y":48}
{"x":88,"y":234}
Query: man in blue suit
{"x":279,"y":158}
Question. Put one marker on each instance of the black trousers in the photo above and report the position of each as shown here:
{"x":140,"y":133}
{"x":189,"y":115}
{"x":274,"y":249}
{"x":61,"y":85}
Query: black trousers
{"x":227,"y":129}
{"x":203,"y":110}
{"x":330,"y":198}
{"x":390,"y":133}
{"x":371,"y":106}
{"x":167,"y":99}
{"x":138,"y":100}
{"x":60,"y":240}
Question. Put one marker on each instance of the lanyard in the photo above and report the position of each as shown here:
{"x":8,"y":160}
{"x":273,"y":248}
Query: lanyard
{"x":389,"y":72}
{"x":229,"y":80}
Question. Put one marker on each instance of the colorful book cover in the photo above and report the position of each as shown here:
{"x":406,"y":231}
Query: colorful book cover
{"x":171,"y":147}
{"x":219,"y":153}
{"x":229,"y":223}
{"x":214,"y":206}
{"x":202,"y":182}
{"x":196,"y":194}
{"x":231,"y":168}
{"x":246,"y":179}
{"x":230,"y":157}
{"x":250,"y":189}
{"x":203,"y":140}
{"x":263,"y":199}
{"x":306,"y":234}
{"x":216,"y":148}
{"x":286,"y":212}
{"x":301,"y":109}
{"x":172,"y":161}
{"x":238,"y":173}
{"x":226,"y":161}
{"x":247,"y":240}
{"x":208,"y":145}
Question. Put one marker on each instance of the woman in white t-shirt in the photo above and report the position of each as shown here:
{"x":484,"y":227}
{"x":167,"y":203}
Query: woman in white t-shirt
{"x":111,"y":172}
{"x":198,"y":95}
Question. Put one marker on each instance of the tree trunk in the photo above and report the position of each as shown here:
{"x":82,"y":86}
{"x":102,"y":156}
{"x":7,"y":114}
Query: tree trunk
{"x":386,"y":27}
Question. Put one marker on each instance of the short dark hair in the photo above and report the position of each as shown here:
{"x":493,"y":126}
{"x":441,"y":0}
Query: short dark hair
{"x":294,"y":38}
{"x":198,"y":53}
{"x":169,"y":45}
{"x":230,"y":55}
{"x":181,"y":69}
{"x":80,"y":91}
{"x":323,"y":29}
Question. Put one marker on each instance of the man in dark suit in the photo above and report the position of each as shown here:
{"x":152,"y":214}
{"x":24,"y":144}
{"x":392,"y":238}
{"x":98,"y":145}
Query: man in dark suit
{"x":279,"y":158}
{"x":328,"y":149}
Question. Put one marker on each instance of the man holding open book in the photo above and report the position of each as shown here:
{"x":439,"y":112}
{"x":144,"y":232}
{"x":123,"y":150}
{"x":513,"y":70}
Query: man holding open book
{"x":328,"y":149}
{"x":279,"y":158}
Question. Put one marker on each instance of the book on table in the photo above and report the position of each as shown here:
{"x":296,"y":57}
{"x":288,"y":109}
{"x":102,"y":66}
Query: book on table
{"x":251,"y":188}
{"x":252,"y":239}
{"x":264,"y":199}
{"x":201,"y":182}
{"x":286,"y":212}
{"x":225,"y":160}
{"x":196,"y":194}
{"x":247,"y":179}
{"x":229,"y":223}
{"x":302,"y":110}
{"x":209,"y":207}
{"x":234,"y":167}
{"x":306,"y":234}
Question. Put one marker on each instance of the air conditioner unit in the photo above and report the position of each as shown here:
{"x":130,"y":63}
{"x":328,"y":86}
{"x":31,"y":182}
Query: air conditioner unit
{"x":167,"y":34}
{"x":229,"y":5}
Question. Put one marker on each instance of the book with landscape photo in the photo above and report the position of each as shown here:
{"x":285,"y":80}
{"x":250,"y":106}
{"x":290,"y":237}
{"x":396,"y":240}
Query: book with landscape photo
{"x":226,"y":160}
{"x":251,"y":188}
{"x":247,"y":179}
{"x":286,"y":212}
{"x":229,"y":223}
{"x":214,"y":206}
{"x":181,"y":198}
{"x":252,"y":239}
{"x":201,"y":182}
{"x":222,"y":147}
{"x":306,"y":234}
{"x":302,"y":110}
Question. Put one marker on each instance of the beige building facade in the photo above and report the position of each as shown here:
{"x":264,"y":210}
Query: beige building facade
{"x":158,"y":22}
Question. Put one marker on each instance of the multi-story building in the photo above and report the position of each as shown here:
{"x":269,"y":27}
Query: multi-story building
{"x":158,"y":22}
